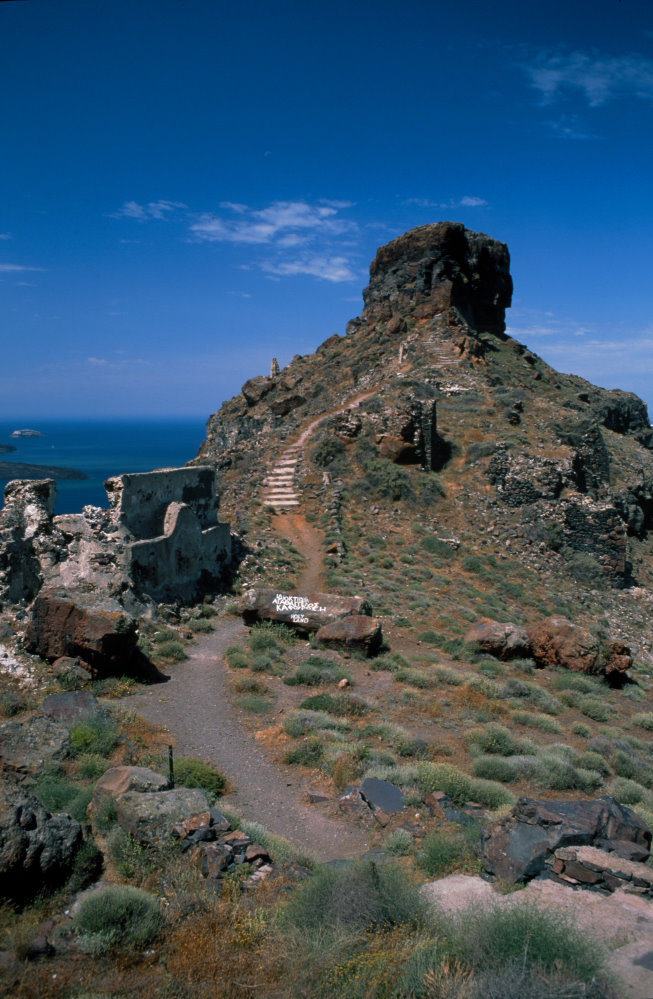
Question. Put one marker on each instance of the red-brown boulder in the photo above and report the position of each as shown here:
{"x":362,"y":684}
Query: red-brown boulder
{"x":355,"y":632}
{"x":557,"y":641}
{"x":100,"y":632}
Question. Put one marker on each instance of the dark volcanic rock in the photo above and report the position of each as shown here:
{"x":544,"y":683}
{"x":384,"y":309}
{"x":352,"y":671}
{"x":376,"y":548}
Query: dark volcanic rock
{"x":151,"y":816}
{"x":517,"y":847}
{"x":353,"y":632}
{"x":505,"y":641}
{"x":71,"y":706}
{"x":438,"y":268}
{"x":100,"y":632}
{"x":305,"y":613}
{"x":254,"y":389}
{"x":26,"y":747}
{"x":36,"y":848}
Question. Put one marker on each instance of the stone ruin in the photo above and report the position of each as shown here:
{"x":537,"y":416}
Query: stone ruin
{"x":159,"y":540}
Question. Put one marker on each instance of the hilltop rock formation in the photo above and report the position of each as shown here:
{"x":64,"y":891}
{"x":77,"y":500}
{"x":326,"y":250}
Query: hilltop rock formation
{"x":570,"y":463}
{"x":442,"y":269}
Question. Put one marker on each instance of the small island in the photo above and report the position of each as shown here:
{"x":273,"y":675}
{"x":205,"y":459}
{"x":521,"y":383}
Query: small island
{"x":26,"y":433}
{"x":6,"y":448}
{"x":19,"y":470}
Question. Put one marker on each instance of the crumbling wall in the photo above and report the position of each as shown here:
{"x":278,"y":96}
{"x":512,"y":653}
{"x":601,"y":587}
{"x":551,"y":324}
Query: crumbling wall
{"x":160,"y":539}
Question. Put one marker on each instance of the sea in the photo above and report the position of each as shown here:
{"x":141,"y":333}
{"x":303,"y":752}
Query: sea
{"x":101,"y":448}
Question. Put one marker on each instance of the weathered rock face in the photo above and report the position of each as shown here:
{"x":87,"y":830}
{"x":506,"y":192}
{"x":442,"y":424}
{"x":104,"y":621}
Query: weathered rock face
{"x":356,"y":631}
{"x":28,"y":542}
{"x":26,"y":747}
{"x":558,"y":642}
{"x":119,"y":780}
{"x":587,"y":866}
{"x":97,"y":630}
{"x":305,"y":613}
{"x":151,"y":816}
{"x":441,"y":268}
{"x":518,"y":847}
{"x":71,"y":706}
{"x":505,"y":641}
{"x":36,"y":848}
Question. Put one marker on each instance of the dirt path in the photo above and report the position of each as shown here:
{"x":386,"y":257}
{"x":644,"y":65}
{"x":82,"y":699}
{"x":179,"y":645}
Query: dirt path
{"x":307,"y":540}
{"x":194,"y":705}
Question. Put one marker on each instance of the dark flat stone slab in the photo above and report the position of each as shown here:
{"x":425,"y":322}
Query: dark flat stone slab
{"x":382,"y":794}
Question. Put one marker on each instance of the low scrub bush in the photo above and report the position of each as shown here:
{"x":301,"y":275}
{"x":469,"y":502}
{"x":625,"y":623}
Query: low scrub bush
{"x":415,"y":678}
{"x":541,"y":722}
{"x":117,"y":917}
{"x":191,"y":772}
{"x":96,"y":735}
{"x":172,"y":651}
{"x":595,"y":709}
{"x":629,"y":792}
{"x":357,"y":897}
{"x":236,"y":657}
{"x":450,"y":849}
{"x":337,"y":704}
{"x":539,"y":953}
{"x":316,"y":671}
{"x":308,"y":753}
{"x":399,"y":843}
{"x":200,"y":625}
{"x":255,"y":704}
{"x":644,"y":720}
{"x":248,"y":685}
{"x":448,"y":676}
{"x":305,"y":720}
{"x":493,"y":739}
{"x":58,"y":794}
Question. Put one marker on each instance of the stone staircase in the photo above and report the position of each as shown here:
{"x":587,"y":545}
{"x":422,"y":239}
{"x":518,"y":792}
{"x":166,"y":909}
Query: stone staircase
{"x":279,"y":484}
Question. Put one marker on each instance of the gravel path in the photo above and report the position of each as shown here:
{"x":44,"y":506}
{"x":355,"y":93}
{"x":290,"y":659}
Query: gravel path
{"x":194,"y":705}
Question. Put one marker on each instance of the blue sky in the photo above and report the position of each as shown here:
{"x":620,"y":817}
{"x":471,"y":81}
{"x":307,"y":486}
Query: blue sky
{"x":190,"y":187}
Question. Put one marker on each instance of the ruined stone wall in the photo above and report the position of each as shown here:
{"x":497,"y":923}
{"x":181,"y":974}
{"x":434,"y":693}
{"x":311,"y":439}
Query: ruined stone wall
{"x":160,"y":539}
{"x":139,"y":501}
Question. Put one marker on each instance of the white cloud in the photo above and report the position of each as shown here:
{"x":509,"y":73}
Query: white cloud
{"x":5,"y":235}
{"x":467,"y":201}
{"x":599,"y":78}
{"x":12,"y":268}
{"x":334,"y":269}
{"x":96,"y":360}
{"x":152,"y":210}
{"x":282,"y":223}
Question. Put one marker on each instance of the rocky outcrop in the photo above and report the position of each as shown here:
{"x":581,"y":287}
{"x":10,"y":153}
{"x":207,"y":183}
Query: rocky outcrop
{"x":588,"y":867}
{"x":355,"y":631}
{"x":27,"y":747}
{"x":305,"y":613}
{"x":119,"y":780}
{"x":30,"y":545}
{"x":71,"y":706}
{"x":505,"y":641}
{"x":37,"y":849}
{"x":97,"y":630}
{"x":557,"y":641}
{"x":441,"y":269}
{"x":150,"y":816}
{"x":518,"y":847}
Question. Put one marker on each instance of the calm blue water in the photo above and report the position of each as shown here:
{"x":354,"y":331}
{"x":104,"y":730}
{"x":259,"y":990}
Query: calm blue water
{"x":101,"y":449}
